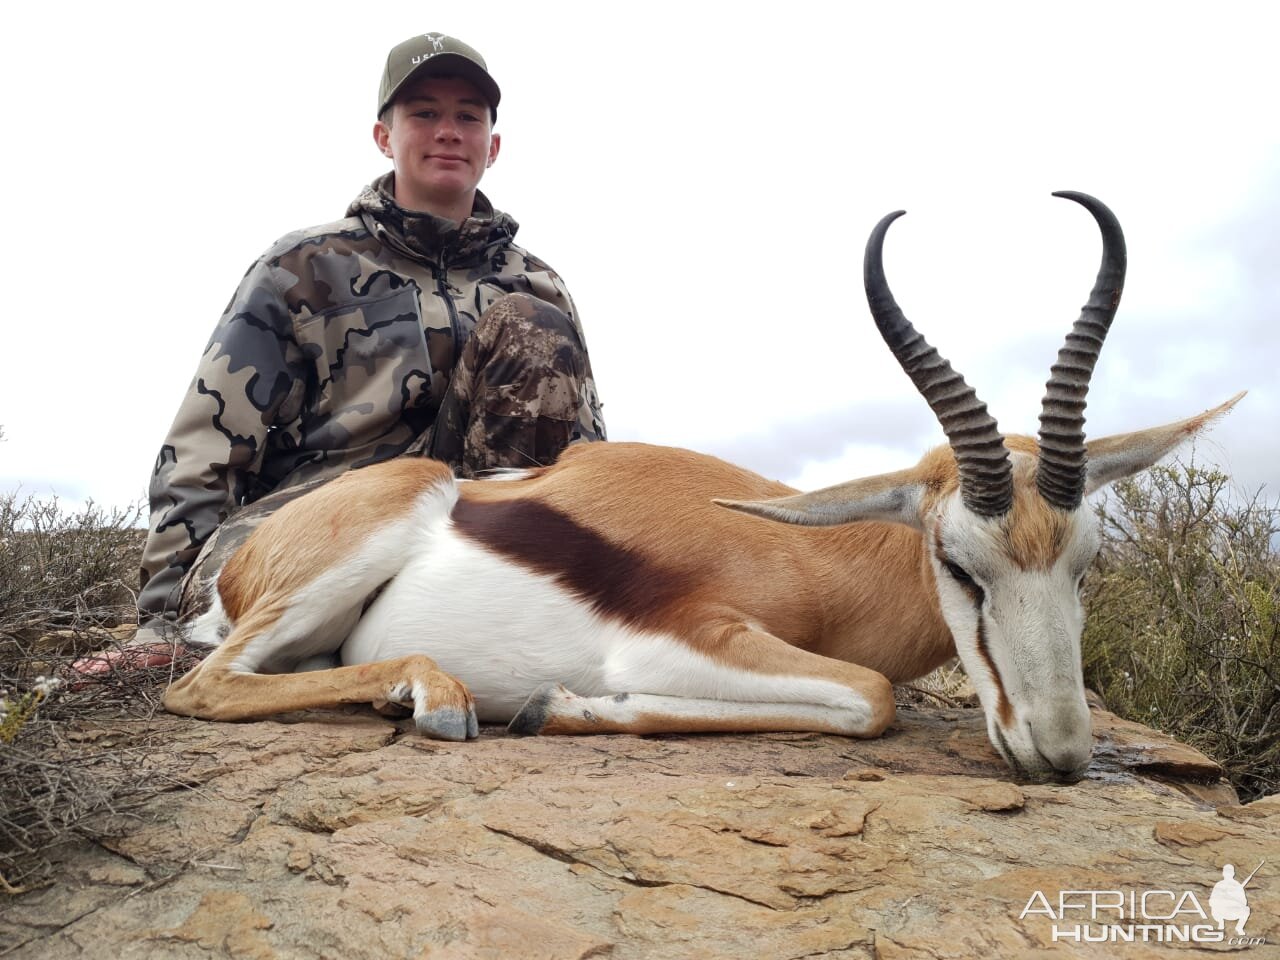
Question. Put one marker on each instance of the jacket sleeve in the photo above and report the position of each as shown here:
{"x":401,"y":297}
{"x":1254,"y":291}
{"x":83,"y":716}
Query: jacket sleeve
{"x":251,"y":369}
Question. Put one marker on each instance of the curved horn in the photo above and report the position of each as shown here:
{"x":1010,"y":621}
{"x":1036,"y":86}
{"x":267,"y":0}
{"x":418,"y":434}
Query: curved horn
{"x":986,"y":476}
{"x":1060,"y":475}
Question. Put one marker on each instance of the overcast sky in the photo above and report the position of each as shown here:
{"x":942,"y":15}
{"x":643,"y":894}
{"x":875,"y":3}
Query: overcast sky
{"x":703,"y":175}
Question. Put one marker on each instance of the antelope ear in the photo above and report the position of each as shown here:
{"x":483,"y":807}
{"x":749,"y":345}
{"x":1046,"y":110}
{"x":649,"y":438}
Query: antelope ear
{"x":891,"y":497}
{"x":1123,"y":455}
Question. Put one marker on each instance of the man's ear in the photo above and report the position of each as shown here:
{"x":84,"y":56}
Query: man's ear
{"x":495,"y":143}
{"x":382,"y":137}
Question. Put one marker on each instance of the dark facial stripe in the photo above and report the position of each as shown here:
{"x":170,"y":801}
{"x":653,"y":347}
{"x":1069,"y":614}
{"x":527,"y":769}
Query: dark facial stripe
{"x":1009,"y":756}
{"x":967,"y":583}
{"x":977,"y":595}
{"x":1003,"y":708}
{"x":616,"y":580}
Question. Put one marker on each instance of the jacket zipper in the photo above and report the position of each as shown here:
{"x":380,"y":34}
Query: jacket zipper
{"x":442,"y":285}
{"x":441,"y":273}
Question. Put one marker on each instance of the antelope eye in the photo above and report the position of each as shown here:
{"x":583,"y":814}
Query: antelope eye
{"x":958,"y":572}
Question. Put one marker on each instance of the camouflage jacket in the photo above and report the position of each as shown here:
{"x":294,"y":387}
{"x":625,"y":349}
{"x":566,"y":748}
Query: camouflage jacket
{"x":335,"y":352}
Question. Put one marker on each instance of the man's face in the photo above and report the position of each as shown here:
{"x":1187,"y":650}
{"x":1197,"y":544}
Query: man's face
{"x":441,"y":143}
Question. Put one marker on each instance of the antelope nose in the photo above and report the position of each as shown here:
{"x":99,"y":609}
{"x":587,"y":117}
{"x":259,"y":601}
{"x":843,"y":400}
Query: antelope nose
{"x":1064,"y":739}
{"x":1069,"y":760}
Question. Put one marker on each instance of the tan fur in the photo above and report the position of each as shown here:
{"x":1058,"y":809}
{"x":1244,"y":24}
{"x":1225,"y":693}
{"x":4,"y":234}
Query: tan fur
{"x":824,"y":600}
{"x":215,"y":691}
{"x":1035,"y":532}
{"x":937,"y":472}
{"x":317,"y":531}
{"x":303,"y":538}
{"x":853,"y":604}
{"x":853,"y":593}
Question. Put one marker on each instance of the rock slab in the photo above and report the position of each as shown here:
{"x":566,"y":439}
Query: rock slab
{"x":345,"y":836}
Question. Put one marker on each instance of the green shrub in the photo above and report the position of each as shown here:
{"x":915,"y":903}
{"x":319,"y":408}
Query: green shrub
{"x":1184,"y":617}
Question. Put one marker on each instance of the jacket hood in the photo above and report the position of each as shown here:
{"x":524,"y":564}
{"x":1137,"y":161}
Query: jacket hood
{"x":424,"y":236}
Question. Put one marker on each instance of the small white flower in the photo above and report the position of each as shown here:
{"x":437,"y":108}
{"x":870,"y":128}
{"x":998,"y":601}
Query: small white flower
{"x":46,"y":685}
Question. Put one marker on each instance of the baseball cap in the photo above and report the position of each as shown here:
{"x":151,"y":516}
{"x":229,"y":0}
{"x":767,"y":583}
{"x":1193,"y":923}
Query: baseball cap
{"x":435,"y":53}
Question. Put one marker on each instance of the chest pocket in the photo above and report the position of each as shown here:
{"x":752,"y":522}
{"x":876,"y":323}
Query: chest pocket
{"x":372,"y":370}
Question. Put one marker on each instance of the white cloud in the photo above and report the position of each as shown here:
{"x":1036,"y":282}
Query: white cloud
{"x":703,"y":175}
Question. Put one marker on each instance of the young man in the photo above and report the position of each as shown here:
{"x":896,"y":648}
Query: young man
{"x":413,"y":326}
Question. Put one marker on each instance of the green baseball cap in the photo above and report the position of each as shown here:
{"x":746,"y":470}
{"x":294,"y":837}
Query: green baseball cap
{"x":435,"y":53}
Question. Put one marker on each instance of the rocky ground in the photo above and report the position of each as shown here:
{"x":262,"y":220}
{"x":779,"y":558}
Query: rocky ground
{"x":343,"y":836}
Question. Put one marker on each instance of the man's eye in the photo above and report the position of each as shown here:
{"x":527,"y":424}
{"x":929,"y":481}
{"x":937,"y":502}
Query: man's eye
{"x":426,"y":114}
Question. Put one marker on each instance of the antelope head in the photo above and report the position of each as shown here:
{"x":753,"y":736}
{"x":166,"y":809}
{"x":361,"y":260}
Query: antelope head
{"x":1006,"y":533}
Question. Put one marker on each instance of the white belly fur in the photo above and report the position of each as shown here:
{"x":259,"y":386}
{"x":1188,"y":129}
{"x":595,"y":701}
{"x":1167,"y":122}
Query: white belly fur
{"x":500,"y":629}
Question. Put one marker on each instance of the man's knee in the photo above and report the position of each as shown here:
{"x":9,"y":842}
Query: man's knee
{"x":520,"y":325}
{"x":528,"y":309}
{"x":515,"y":395}
{"x":526,"y":360}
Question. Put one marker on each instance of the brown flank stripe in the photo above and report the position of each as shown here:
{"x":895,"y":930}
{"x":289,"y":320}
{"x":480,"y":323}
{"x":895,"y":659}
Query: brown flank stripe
{"x":618,"y":581}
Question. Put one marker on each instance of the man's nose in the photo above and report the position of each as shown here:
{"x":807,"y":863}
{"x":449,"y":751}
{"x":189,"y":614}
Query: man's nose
{"x":447,"y":129}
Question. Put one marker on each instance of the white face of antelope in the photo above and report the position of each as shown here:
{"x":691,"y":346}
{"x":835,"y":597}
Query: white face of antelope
{"x":1011,"y":545}
{"x":1009,"y":588}
{"x":1008,"y":554}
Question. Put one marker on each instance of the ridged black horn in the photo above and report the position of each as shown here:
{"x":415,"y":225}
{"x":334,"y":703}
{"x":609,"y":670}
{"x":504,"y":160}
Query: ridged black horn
{"x":986,"y":475}
{"x":1060,"y":475}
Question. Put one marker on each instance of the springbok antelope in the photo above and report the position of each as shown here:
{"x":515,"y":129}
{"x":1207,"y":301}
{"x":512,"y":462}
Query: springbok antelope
{"x":613,"y":592}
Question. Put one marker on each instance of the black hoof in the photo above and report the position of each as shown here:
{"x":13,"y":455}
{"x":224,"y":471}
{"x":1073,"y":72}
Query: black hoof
{"x":444,"y":723}
{"x":536,"y":711}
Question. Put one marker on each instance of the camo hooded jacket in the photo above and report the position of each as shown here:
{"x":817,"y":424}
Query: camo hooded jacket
{"x":335,"y":352}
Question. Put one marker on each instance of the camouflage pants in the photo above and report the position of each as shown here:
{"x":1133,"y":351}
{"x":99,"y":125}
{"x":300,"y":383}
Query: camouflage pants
{"x":512,"y":402}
